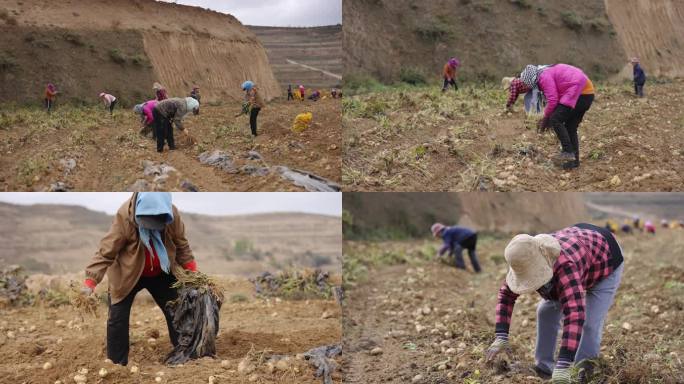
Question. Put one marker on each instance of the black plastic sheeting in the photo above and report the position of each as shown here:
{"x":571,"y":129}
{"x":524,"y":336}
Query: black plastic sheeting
{"x":196,"y":319}
{"x":321,"y":359}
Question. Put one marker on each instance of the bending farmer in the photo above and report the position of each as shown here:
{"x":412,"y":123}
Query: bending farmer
{"x":144,"y":244}
{"x":169,"y":112}
{"x":455,"y":239}
{"x":569,"y":94}
{"x":576,"y":271}
{"x":450,"y":73}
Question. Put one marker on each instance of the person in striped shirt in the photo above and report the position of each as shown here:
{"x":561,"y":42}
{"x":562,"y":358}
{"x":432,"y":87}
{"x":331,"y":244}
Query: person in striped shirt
{"x":576,"y":271}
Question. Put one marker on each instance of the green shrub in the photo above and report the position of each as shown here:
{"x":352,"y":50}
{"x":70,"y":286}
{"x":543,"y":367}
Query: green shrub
{"x":74,"y":39}
{"x":116,"y":56}
{"x":572,"y":21}
{"x":411,"y":76}
{"x":139,"y":60}
{"x":7,"y":63}
{"x":433,"y":30}
{"x":525,"y":4}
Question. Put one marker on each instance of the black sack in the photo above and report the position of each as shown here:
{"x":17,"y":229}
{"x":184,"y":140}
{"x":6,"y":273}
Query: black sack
{"x":196,"y":319}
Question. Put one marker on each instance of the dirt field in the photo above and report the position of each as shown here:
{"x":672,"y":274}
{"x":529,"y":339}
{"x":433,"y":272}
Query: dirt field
{"x":424,"y":315}
{"x":108,"y":151}
{"x":411,"y":139}
{"x":71,"y":342}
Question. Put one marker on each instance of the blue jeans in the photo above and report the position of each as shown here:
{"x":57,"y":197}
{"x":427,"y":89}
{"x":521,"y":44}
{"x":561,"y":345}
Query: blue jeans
{"x":599,"y":299}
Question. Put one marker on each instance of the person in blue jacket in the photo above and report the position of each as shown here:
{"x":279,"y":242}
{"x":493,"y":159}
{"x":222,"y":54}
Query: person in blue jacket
{"x":639,"y":77}
{"x":455,"y":239}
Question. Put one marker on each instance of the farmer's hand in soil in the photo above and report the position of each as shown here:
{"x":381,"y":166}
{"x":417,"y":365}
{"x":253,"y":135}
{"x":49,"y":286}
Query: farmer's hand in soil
{"x":497,"y":346}
{"x":561,"y":376}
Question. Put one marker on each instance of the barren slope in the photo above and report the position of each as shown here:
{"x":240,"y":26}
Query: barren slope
{"x":652,"y":30}
{"x":317,"y":47}
{"x":492,"y":38}
{"x":144,"y":41}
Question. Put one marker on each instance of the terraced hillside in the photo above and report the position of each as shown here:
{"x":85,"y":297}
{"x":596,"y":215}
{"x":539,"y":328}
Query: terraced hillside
{"x":308,"y":56}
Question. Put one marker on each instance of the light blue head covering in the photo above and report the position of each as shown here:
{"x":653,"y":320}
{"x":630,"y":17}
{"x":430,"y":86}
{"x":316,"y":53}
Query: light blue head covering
{"x":154,"y":204}
{"x":247,"y":85}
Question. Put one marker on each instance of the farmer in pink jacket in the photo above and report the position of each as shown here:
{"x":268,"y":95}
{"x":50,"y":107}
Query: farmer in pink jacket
{"x":109,"y":101}
{"x":569,"y":94}
{"x":146,"y":117}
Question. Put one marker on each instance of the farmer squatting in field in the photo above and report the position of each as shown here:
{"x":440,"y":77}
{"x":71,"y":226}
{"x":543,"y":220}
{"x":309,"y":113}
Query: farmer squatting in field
{"x":569,"y":94}
{"x":577,"y":272}
{"x":455,"y":239}
{"x":144,"y":244}
{"x":168,"y":112}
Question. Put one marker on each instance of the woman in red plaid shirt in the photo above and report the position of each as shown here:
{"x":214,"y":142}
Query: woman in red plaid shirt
{"x":576,"y":271}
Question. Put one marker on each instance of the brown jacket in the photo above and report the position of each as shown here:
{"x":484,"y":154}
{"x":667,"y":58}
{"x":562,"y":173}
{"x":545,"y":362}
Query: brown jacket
{"x":122,"y":255}
{"x":254,"y":98}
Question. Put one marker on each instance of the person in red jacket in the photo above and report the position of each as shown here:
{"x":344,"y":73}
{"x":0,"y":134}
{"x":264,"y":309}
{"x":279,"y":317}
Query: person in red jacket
{"x":449,"y":73}
{"x":144,"y":245}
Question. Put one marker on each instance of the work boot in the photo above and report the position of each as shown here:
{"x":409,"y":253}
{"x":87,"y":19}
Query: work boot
{"x":568,"y":165}
{"x":562,"y":158}
{"x":541,"y":373}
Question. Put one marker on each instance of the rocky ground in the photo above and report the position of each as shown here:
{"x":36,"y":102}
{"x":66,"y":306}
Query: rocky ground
{"x":260,"y":341}
{"x":85,"y":149}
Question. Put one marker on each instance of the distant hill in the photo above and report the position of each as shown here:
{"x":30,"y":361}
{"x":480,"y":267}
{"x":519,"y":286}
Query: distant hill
{"x":317,"y":47}
{"x":60,"y":238}
{"x":122,"y":47}
{"x":495,"y":38}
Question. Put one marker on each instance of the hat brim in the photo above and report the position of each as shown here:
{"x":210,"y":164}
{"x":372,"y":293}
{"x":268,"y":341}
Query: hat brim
{"x":530,"y":282}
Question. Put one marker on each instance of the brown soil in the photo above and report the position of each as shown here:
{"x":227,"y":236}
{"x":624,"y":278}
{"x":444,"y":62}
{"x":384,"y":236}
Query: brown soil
{"x":277,"y":327}
{"x":109,"y":150}
{"x":72,"y":43}
{"x":417,"y":139}
{"x":381,"y":311}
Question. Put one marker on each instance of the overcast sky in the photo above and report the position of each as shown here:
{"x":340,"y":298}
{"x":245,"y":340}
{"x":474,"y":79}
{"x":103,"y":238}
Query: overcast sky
{"x":280,"y":13}
{"x":210,"y":203}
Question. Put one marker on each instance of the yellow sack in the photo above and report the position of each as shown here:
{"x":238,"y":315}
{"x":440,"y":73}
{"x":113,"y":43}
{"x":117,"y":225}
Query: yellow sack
{"x":302,"y":122}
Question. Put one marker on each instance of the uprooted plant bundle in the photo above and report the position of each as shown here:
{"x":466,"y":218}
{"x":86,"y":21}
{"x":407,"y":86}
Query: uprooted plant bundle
{"x":81,"y":302}
{"x":195,"y":316}
{"x":13,"y":290}
{"x":295,"y":285}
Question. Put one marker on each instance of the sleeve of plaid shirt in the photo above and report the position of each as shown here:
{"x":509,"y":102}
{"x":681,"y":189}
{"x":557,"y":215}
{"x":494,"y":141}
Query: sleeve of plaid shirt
{"x":572,"y":298}
{"x":514,"y":92}
{"x":504,"y":310}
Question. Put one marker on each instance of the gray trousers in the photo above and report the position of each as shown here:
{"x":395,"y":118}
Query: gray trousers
{"x":599,"y":299}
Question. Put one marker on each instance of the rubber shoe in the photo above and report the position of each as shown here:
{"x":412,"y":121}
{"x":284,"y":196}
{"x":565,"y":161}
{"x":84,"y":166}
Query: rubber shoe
{"x":541,"y":373}
{"x":562,"y":158}
{"x":570,"y":165}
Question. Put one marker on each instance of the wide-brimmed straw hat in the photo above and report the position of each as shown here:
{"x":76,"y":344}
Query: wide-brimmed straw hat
{"x":530,"y":261}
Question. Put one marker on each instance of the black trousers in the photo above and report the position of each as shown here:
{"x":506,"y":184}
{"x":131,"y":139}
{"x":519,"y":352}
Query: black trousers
{"x":163,"y":129}
{"x":290,"y":96}
{"x":639,"y":89}
{"x":448,"y":82}
{"x":565,"y":122}
{"x":119,"y":315}
{"x":111,"y":106}
{"x":470,"y":244}
{"x":253,"y":114}
{"x":48,"y":105}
